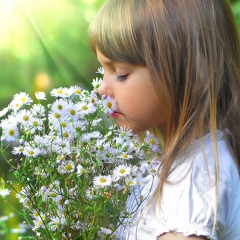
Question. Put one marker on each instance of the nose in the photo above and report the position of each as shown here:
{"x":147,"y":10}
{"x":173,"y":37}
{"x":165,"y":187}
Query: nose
{"x":101,"y":88}
{"x":104,"y":88}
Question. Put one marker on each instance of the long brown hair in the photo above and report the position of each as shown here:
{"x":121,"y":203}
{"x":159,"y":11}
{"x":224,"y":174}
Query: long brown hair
{"x":192,"y":51}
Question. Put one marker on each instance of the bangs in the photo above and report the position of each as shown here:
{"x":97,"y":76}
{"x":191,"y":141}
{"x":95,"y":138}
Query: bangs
{"x":115,"y":32}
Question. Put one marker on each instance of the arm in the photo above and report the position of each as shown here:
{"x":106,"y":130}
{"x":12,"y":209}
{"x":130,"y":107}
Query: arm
{"x":179,"y":236}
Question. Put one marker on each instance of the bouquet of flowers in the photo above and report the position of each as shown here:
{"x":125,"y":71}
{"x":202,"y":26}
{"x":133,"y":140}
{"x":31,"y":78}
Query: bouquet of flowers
{"x":75,"y":167}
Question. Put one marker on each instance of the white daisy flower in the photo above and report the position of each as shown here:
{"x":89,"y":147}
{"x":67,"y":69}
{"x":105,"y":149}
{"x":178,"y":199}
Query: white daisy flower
{"x":95,"y":122}
{"x":4,"y":111}
{"x":69,"y":166}
{"x":22,"y":98}
{"x":56,"y":116}
{"x":31,"y":151}
{"x":26,"y":202}
{"x":63,"y":125}
{"x":95,"y":134}
{"x":10,"y":133}
{"x":109,"y":105}
{"x":125,"y":156}
{"x":24,"y":117}
{"x":89,"y":193}
{"x":53,"y":227}
{"x":60,"y":202}
{"x":102,"y":181}
{"x":66,"y":167}
{"x":72,"y":111}
{"x":40,"y":95}
{"x":36,"y":124}
{"x":153,"y":169}
{"x":40,"y":172}
{"x":96,"y":82}
{"x":57,"y":92}
{"x":54,"y":221}
{"x":100,"y":70}
{"x":18,"y":150}
{"x":62,"y":143}
{"x":122,"y":171}
{"x":86,"y":108}
{"x":152,"y":141}
{"x":15,"y":106}
{"x":106,"y":231}
{"x":67,"y":92}
{"x":38,"y":110}
{"x":130,"y":181}
{"x":59,"y":158}
{"x":80,"y":170}
{"x":10,"y":121}
{"x":59,"y":105}
{"x":67,"y":135}
{"x":41,"y":142}
{"x":52,"y":194}
{"x":76,"y":90}
{"x":124,"y":132}
{"x":5,"y":192}
{"x":38,"y":223}
{"x":80,"y":125}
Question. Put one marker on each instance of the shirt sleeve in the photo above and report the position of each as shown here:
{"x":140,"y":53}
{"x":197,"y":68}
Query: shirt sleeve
{"x":189,"y":206}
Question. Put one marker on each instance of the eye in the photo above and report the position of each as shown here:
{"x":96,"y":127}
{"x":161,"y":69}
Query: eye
{"x":121,"y":78}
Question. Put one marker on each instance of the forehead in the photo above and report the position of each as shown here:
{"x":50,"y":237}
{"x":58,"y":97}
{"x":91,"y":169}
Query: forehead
{"x":103,"y":59}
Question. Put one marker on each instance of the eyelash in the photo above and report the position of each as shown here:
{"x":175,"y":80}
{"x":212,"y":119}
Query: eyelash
{"x":122,"y":78}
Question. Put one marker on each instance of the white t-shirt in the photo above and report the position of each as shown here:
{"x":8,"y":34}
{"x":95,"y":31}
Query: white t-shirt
{"x":188,"y":206}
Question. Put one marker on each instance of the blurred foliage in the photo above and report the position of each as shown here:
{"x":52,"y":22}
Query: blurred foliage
{"x":44,"y":44}
{"x":236,"y":9}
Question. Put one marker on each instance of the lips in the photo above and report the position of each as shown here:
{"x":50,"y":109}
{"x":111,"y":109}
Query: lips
{"x":116,"y":114}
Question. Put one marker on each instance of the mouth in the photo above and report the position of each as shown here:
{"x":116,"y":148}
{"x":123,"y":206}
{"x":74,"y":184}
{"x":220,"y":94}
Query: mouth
{"x":116,"y":114}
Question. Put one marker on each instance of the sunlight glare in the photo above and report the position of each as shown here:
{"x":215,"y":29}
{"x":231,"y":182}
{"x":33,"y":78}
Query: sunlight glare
{"x":10,"y":21}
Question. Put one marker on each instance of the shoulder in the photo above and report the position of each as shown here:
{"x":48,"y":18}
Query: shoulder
{"x":189,"y":203}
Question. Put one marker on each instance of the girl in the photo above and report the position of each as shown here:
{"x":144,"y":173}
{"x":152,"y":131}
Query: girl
{"x":173,"y":66}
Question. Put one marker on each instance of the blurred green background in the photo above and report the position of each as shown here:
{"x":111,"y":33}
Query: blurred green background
{"x":44,"y":44}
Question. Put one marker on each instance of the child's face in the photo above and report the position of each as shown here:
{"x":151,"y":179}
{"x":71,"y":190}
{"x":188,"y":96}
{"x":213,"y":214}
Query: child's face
{"x":138,"y":106}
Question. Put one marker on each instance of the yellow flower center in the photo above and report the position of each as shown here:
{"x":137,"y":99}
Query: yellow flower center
{"x":23,"y":99}
{"x":25,"y":117}
{"x":31,"y":153}
{"x":102,"y":180}
{"x":63,"y":124}
{"x":11,"y":132}
{"x":57,"y":115}
{"x":72,"y":112}
{"x":130,"y":183}
{"x":36,"y":214}
{"x":124,"y":155}
{"x":109,"y":105}
{"x":60,"y":107}
{"x":152,"y":141}
{"x":68,"y":167}
{"x":59,"y":91}
{"x":65,"y":135}
{"x":53,"y":194}
{"x":35,"y":124}
{"x":84,"y":107}
{"x":122,"y":171}
{"x":78,"y":91}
